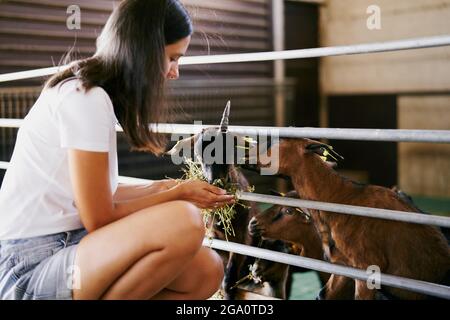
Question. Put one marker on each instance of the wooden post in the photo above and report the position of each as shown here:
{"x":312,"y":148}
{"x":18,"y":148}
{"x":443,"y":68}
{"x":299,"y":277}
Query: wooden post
{"x":279,"y":72}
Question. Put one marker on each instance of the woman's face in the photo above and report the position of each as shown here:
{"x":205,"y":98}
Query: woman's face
{"x":173,"y":53}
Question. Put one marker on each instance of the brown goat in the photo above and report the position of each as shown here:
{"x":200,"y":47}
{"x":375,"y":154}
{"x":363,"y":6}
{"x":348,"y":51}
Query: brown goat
{"x":398,"y":248}
{"x":270,"y":279}
{"x":296,"y":225}
{"x":224,"y":170}
{"x":290,"y":224}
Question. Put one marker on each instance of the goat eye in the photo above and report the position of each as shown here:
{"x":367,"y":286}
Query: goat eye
{"x":278,"y":216}
{"x":288,"y":211}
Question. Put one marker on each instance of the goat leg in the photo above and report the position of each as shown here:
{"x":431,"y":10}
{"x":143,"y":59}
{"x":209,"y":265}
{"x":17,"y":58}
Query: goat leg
{"x":234,"y":271}
{"x":338,"y":288}
{"x":230,"y":277}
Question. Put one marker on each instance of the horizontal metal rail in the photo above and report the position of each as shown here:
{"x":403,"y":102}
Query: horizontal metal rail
{"x":10,"y":123}
{"x":428,"y":288}
{"x":131,"y":180}
{"x":392,"y":135}
{"x":404,"y":216}
{"x":395,"y":215}
{"x":3,"y":165}
{"x":408,"y":44}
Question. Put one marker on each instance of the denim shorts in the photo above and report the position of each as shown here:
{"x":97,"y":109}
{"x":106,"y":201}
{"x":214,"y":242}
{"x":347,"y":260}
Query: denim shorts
{"x":39,"y":268}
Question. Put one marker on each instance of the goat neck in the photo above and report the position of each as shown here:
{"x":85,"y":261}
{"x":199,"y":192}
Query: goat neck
{"x":313,"y":179}
{"x":235,"y":176}
{"x":313,"y":249}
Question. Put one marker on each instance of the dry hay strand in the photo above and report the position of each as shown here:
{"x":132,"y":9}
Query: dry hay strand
{"x":223,"y":215}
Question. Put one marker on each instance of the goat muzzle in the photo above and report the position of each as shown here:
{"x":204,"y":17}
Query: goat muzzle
{"x":254,"y":228}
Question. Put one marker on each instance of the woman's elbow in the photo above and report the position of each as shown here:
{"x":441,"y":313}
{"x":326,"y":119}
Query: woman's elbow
{"x":91,"y":226}
{"x":96,"y":222}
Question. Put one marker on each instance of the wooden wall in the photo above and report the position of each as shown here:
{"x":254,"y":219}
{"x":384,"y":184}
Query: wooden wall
{"x":424,"y":168}
{"x":343,"y":22}
{"x":33,"y":34}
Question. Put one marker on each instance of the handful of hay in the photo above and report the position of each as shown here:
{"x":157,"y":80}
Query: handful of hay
{"x":223,"y":215}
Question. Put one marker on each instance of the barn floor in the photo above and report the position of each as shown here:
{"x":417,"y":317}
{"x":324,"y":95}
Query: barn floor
{"x":305,"y":286}
{"x":439,"y":206}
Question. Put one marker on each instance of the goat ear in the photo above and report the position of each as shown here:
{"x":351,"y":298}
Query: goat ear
{"x":304,"y":214}
{"x":325,"y":151}
{"x":295,"y":249}
{"x":180,"y":145}
{"x":276,"y":193}
{"x":314,"y":147}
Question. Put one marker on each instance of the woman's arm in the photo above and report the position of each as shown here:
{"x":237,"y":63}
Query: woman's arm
{"x":89,"y":174}
{"x":127,"y":191}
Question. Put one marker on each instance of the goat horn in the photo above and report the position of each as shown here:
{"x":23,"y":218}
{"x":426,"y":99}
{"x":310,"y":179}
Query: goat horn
{"x":225,"y":117}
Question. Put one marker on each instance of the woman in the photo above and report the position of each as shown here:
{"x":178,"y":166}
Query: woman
{"x":67,"y":229}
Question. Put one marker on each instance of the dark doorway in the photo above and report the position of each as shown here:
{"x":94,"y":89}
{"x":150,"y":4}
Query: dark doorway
{"x":377,"y":159}
{"x":301,"y":31}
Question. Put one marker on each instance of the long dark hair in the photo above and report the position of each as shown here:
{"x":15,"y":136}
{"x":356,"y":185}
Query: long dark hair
{"x":129,"y":65}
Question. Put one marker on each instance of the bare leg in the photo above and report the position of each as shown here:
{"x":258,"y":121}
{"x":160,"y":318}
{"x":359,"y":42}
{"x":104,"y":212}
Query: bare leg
{"x":200,"y":279}
{"x":140,"y":255}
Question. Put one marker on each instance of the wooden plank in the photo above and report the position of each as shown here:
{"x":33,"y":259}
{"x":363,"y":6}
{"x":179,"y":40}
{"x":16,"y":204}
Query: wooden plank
{"x":424,"y":169}
{"x":220,"y":17}
{"x":230,"y":6}
{"x":257,"y":8}
{"x":89,"y":19}
{"x":246,"y":44}
{"x":4,"y":14}
{"x":344,"y":22}
{"x":96,"y":5}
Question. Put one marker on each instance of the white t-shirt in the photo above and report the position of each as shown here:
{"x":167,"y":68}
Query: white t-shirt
{"x":36,"y":197}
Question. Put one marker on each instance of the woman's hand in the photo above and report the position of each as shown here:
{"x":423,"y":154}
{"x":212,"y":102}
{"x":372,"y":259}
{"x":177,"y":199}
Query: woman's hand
{"x":202,"y":194}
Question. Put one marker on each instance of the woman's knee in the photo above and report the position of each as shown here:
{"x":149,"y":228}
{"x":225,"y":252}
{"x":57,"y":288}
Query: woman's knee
{"x":190,"y":227}
{"x":191,"y":219}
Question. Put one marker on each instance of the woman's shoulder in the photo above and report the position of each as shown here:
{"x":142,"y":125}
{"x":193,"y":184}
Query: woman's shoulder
{"x":71,"y":97}
{"x":72,"y":91}
{"x":74,"y":87}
